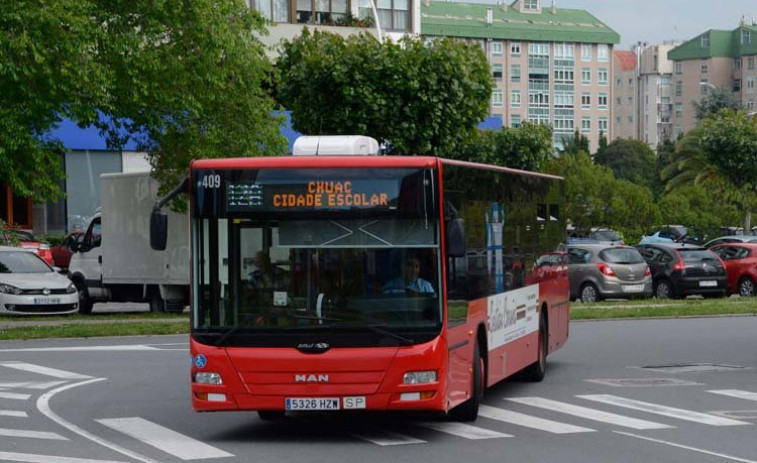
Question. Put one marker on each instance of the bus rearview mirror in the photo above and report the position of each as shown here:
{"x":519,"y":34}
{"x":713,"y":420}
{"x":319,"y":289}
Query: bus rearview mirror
{"x":455,"y":238}
{"x":158,"y":230}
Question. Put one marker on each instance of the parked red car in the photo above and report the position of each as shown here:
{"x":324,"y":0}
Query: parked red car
{"x":24,"y":239}
{"x":62,"y":252}
{"x":741,"y":265}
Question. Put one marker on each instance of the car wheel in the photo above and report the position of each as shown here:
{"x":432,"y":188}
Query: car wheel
{"x":662,"y":290}
{"x":85,"y":301}
{"x":589,"y":293}
{"x":747,"y":287}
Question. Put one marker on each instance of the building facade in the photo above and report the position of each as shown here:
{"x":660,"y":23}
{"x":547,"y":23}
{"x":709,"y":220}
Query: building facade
{"x":550,"y":65}
{"x":656,"y":94}
{"x":713,"y":59}
{"x":625,"y":95}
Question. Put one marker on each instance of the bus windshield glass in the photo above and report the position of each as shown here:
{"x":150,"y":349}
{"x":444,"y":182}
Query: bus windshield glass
{"x":348,"y":255}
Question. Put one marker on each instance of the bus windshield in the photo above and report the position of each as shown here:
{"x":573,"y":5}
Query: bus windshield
{"x":285,"y":257}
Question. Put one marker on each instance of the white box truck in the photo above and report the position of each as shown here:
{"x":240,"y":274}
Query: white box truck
{"x":115,"y":263}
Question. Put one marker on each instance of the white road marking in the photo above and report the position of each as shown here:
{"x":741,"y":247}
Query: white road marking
{"x":588,"y":413}
{"x":385,"y":438}
{"x":14,"y":396}
{"x":528,"y":421}
{"x":30,"y":434}
{"x":164,"y":439}
{"x":686,"y":447}
{"x":55,"y":373}
{"x":34,"y":458}
{"x":678,"y":413}
{"x":122,"y":348}
{"x":15,"y":413}
{"x":463,"y":430}
{"x":43,"y":405}
{"x":31,"y":385}
{"x":736,"y":393}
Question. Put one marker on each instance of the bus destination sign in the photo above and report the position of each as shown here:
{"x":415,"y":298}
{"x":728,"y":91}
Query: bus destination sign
{"x":310,"y":195}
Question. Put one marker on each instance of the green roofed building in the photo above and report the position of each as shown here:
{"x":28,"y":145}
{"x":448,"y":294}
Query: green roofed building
{"x":714,"y":59}
{"x":550,"y":65}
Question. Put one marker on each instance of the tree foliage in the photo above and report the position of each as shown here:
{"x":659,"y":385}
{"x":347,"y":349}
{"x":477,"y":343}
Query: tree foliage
{"x":416,"y":98}
{"x":527,"y":147}
{"x":715,"y":100}
{"x":188,"y":78}
{"x":578,"y":143}
{"x":632,"y":160}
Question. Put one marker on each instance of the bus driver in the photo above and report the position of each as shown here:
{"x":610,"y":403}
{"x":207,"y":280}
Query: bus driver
{"x":410,"y":281}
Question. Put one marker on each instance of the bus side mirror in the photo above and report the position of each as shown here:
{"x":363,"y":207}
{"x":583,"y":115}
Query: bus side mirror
{"x":158,"y":230}
{"x":455,"y":238}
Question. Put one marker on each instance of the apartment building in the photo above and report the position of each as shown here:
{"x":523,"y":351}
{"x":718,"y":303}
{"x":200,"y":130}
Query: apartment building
{"x":549,"y":64}
{"x":656,"y":94}
{"x":625,"y":94}
{"x":713,"y":59}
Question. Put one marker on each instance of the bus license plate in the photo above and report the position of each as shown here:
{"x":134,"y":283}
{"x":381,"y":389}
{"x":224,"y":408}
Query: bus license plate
{"x":312,"y":403}
{"x":46,"y":300}
{"x":708,"y":283}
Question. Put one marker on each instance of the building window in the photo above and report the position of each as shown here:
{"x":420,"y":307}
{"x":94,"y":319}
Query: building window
{"x":630,"y":100}
{"x":515,"y":73}
{"x":515,"y":98}
{"x":497,"y":98}
{"x":618,"y":101}
{"x":630,"y":119}
{"x":602,"y":76}
{"x":497,"y":72}
{"x":274,"y":10}
{"x":737,"y":63}
{"x":586,"y":124}
{"x":602,"y":101}
{"x":679,"y":88}
{"x":328,"y":12}
{"x":750,"y":63}
{"x":565,"y":51}
{"x":750,"y":84}
{"x":602,"y":124}
{"x":392,"y":14}
{"x":603,"y":52}
{"x":515,"y":49}
{"x":736,"y":85}
{"x":706,"y":41}
{"x":704,"y":87}
{"x":679,"y":68}
{"x":515,"y":121}
{"x":586,"y":76}
{"x":497,"y":48}
{"x":563,"y":76}
{"x":531,"y":5}
{"x":618,"y":120}
{"x":586,"y":100}
{"x":679,"y":109}
{"x":585,"y":52}
{"x":746,"y":37}
{"x":703,"y":67}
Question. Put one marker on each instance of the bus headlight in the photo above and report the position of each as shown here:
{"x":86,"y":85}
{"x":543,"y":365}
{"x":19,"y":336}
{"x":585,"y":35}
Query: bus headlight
{"x":420,"y":377}
{"x":203,"y":377}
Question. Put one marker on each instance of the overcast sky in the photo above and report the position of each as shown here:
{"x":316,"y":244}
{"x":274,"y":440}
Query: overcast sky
{"x":655,"y":21}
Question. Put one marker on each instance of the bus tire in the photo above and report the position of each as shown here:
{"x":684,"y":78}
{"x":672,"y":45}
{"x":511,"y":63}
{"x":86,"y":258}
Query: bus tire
{"x":85,"y":301}
{"x":468,"y":410}
{"x":537,"y":370}
{"x":271,"y":415}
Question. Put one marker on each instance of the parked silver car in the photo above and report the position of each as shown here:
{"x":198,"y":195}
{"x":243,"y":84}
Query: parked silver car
{"x":28,"y":286}
{"x":599,"y":271}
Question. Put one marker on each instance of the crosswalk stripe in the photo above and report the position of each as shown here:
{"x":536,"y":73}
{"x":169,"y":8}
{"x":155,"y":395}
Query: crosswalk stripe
{"x":55,"y":373}
{"x":386,"y":438}
{"x":528,"y":421}
{"x":736,"y":393}
{"x":15,"y":413}
{"x":35,"y":458}
{"x":463,"y":430}
{"x":14,"y":396}
{"x":31,"y":385}
{"x":31,"y":434}
{"x":588,"y":413}
{"x":164,"y":439}
{"x":678,"y":413}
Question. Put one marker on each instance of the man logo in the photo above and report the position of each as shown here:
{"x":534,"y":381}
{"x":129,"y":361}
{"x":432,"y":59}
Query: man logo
{"x":311,"y":378}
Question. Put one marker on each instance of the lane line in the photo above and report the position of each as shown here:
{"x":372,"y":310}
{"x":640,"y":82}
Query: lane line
{"x":35,"y":458}
{"x":387,"y":438}
{"x":14,"y":396}
{"x":15,"y":413}
{"x":31,"y":434}
{"x":162,"y":438}
{"x":463,"y":430}
{"x":589,"y":413}
{"x":681,"y":414}
{"x":31,"y":385}
{"x":43,"y":405}
{"x":528,"y":421}
{"x":55,"y":373}
{"x":693,"y":449}
{"x":122,"y":348}
{"x":736,"y":393}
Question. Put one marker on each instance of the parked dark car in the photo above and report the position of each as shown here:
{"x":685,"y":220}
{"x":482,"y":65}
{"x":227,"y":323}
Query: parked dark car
{"x":731,"y":239}
{"x":62,"y":252}
{"x":680,"y":270}
{"x":599,"y":271}
{"x":741,"y":265}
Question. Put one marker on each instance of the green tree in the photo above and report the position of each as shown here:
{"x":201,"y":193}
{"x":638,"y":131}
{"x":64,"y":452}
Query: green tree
{"x":527,"y":147}
{"x":729,"y":142}
{"x":687,"y":164}
{"x":578,"y":143}
{"x":416,"y":98}
{"x":715,"y":100}
{"x":632,"y":160}
{"x":188,"y":78}
{"x":602,"y":143}
{"x":698,"y":206}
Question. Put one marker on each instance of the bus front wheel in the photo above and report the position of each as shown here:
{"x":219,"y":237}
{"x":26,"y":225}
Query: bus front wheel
{"x":468,"y":410}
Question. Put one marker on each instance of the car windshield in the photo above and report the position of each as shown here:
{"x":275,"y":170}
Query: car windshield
{"x":22,"y":262}
{"x":697,"y":255}
{"x":621,"y":256}
{"x":23,"y":235}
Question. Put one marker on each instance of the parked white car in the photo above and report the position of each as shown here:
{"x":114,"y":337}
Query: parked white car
{"x":28,"y":286}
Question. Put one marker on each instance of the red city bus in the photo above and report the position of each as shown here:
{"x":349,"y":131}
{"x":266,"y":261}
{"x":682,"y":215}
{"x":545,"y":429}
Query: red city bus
{"x":371,"y":282}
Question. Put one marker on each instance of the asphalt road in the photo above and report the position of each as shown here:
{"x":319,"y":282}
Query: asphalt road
{"x":620,"y":391}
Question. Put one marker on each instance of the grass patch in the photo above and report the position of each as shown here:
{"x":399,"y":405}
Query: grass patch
{"x":651,"y":308}
{"x":94,"y":316}
{"x":94,"y":330}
